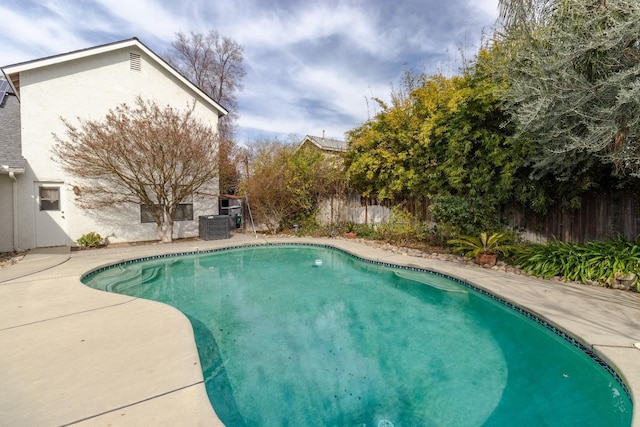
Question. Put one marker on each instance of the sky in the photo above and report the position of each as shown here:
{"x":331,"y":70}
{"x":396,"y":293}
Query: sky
{"x":312,"y":66}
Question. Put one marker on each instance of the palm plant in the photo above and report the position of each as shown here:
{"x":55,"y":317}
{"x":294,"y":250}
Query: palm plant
{"x":472,"y":246}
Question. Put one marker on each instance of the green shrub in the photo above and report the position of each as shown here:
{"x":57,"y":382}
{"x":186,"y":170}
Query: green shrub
{"x":600,"y":261}
{"x":366,"y":231}
{"x":458,"y":215}
{"x":402,"y":227}
{"x":91,"y":239}
{"x":307,"y":224}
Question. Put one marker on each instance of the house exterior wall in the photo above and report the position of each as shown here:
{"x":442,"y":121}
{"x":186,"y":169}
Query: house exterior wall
{"x":10,"y":160}
{"x":87,"y":88}
{"x":6,"y":214}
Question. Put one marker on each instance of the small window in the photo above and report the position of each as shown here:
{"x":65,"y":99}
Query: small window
{"x":49,"y":198}
{"x":135,"y":64}
{"x":146,"y":213}
{"x":183,"y":212}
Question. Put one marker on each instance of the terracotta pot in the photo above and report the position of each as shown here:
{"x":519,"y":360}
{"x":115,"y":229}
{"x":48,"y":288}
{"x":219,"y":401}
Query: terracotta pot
{"x":487,"y":259}
{"x":349,"y":235}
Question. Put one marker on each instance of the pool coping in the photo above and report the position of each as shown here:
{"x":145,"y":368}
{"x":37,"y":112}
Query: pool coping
{"x":605,"y":321}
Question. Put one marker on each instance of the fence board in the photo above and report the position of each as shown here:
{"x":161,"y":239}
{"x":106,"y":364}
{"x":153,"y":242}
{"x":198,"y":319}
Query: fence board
{"x":599,"y":217}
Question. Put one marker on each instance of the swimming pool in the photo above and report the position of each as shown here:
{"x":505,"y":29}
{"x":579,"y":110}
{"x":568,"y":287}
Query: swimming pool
{"x":309,"y":335}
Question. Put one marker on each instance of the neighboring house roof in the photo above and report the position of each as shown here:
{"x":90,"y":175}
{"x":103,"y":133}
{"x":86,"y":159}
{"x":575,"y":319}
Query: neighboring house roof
{"x":10,"y":143}
{"x":5,"y":89}
{"x":325,"y":144}
{"x":12,"y":72}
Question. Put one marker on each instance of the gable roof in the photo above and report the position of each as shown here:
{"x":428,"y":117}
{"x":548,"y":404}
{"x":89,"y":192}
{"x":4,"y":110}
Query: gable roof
{"x":325,"y":144}
{"x":12,"y":72}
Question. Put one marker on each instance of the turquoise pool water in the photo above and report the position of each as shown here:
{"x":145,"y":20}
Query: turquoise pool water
{"x":309,"y":335}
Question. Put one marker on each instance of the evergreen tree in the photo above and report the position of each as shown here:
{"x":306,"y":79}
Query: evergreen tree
{"x":575,"y":87}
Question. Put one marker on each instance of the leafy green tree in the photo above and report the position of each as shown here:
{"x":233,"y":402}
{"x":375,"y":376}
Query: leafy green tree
{"x":469,"y":152}
{"x":524,"y":16}
{"x":439,"y":136}
{"x":380,"y":159}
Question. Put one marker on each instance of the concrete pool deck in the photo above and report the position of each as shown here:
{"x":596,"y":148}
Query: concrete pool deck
{"x":71,"y":355}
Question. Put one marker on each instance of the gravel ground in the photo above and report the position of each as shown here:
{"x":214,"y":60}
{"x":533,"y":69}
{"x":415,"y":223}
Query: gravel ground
{"x":10,"y":258}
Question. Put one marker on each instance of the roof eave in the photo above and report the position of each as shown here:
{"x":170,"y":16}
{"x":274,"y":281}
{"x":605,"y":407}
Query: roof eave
{"x":8,"y":170}
{"x":16,"y":69}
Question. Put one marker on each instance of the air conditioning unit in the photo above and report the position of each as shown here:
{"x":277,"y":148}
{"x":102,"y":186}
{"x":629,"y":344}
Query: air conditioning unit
{"x":214,"y":227}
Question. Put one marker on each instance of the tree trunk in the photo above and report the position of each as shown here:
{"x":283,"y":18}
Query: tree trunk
{"x":165,"y":230}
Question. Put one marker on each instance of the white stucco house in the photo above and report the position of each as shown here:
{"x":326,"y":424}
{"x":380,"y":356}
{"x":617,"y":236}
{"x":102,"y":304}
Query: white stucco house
{"x":37,"y":207}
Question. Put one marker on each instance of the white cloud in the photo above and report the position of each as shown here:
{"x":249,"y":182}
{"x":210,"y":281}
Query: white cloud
{"x":487,"y":7}
{"x":310,"y":64}
{"x":43,"y":34}
{"x":146,"y":17}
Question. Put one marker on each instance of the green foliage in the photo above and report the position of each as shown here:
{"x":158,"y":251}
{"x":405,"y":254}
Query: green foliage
{"x":402,"y":227}
{"x":89,"y":240}
{"x":307,"y":224}
{"x":574,"y":86}
{"x":366,"y":231}
{"x":595,"y":261}
{"x":349,"y":227}
{"x":549,"y":111}
{"x":380,"y":159}
{"x":457,"y":215}
{"x":439,"y":135}
{"x":472,"y":246}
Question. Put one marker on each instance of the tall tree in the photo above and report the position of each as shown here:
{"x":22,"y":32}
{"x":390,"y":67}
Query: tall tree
{"x":381,"y":156}
{"x":439,"y":136}
{"x":574,"y":87}
{"x":144,"y":155}
{"x":214,"y":63}
{"x":524,"y":16}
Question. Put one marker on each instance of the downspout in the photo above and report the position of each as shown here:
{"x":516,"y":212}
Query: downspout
{"x":12,"y":176}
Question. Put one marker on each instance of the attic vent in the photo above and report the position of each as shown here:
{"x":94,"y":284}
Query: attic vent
{"x":134,"y":62}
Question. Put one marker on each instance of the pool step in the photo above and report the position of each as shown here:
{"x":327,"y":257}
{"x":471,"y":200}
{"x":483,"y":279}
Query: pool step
{"x":437,"y":282}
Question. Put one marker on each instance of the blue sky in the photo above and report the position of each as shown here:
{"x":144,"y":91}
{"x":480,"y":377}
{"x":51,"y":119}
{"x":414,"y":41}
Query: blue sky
{"x":311,"y":65}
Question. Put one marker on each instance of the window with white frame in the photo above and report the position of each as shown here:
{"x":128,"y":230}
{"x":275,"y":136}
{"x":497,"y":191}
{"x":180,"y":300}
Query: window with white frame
{"x":49,"y":198}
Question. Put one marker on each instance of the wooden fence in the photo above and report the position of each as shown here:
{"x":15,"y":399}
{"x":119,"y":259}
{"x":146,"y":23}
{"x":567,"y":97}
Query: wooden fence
{"x":599,"y":217}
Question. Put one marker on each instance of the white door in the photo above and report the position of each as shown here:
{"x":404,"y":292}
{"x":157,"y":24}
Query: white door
{"x":51,"y":227}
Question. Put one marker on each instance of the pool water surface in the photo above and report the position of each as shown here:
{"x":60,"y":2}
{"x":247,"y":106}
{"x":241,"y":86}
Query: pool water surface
{"x":310,"y":335}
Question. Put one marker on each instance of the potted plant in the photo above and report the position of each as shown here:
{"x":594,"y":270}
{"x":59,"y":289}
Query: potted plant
{"x":350,"y":230}
{"x":484,"y":248}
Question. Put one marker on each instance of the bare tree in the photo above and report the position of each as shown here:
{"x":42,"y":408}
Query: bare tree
{"x":146,"y":155}
{"x":214,"y":64}
{"x":286,"y":184}
{"x":266,"y":182}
